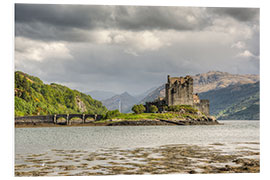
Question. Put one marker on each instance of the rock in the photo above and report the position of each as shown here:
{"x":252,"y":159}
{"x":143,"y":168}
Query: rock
{"x":199,"y":113}
{"x":182,"y":111}
{"x":192,"y":172}
{"x":80,"y":104}
{"x":213,"y":118}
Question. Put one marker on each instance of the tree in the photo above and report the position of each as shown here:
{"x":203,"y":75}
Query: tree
{"x":25,"y":84}
{"x":138,"y":109}
{"x":26,"y":96}
{"x":112,"y":114}
{"x":153,"y":109}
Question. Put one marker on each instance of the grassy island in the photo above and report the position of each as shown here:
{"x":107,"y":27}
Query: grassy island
{"x":180,"y":114}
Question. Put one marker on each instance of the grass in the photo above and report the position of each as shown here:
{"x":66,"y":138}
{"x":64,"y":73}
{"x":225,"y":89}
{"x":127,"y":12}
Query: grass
{"x":131,"y":116}
{"x":148,"y":116}
{"x":189,"y":116}
{"x":189,"y":112}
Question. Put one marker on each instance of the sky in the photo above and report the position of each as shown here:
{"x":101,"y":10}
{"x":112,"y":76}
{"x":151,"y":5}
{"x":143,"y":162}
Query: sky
{"x":133,"y":48}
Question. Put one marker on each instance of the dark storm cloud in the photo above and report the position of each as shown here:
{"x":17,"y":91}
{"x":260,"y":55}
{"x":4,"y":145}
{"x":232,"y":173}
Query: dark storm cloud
{"x":62,"y":16}
{"x":240,"y":14}
{"x":44,"y":32}
{"x":122,"y":17}
{"x":58,"y":22}
{"x":162,"y":18}
{"x":62,"y":22}
{"x":129,"y":48}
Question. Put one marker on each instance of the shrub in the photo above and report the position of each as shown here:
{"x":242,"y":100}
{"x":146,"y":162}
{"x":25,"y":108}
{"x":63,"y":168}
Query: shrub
{"x":186,"y":108}
{"x":153,"y":109}
{"x":112,"y":114}
{"x":138,"y":109}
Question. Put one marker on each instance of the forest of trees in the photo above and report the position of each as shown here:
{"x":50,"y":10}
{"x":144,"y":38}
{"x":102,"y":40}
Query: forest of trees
{"x":33,"y":97}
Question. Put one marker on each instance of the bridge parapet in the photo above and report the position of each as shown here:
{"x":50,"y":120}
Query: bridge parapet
{"x":54,"y":118}
{"x":34,"y":119}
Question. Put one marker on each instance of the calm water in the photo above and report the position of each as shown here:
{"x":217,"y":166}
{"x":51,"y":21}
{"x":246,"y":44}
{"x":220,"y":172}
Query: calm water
{"x":39,"y":140}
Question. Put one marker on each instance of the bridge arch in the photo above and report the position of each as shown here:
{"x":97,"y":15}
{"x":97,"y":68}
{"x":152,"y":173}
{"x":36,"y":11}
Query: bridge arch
{"x":70,"y":117}
{"x":55,"y":118}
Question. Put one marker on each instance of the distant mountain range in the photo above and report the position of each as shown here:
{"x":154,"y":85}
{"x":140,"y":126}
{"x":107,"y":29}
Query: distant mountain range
{"x":216,"y":80}
{"x":124,"y":101}
{"x":158,"y":92}
{"x":232,"y":96}
{"x":101,"y":95}
{"x":212,"y":80}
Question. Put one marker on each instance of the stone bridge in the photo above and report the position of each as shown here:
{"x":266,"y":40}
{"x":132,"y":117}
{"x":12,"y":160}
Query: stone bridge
{"x":54,"y":118}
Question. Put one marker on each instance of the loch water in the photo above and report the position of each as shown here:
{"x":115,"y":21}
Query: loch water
{"x":40,"y":140}
{"x":112,"y":150}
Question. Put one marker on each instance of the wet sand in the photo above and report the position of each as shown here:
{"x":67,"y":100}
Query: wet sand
{"x":166,"y":159}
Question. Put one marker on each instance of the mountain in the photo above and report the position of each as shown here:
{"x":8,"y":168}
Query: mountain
{"x":158,"y":92}
{"x":141,"y":96}
{"x":237,"y":101}
{"x":247,"y":109}
{"x":101,"y":95}
{"x":212,"y":80}
{"x":33,"y":97}
{"x":232,"y":96}
{"x":126,"y":100}
{"x":216,"y":80}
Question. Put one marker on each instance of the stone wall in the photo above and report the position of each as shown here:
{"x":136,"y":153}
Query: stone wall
{"x":179,"y":90}
{"x":54,"y":118}
{"x":196,"y":98}
{"x":34,"y":119}
{"x":160,"y":104}
{"x":203,"y":106}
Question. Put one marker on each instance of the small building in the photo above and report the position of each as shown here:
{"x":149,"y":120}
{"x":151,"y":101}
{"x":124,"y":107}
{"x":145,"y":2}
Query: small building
{"x":179,"y":91}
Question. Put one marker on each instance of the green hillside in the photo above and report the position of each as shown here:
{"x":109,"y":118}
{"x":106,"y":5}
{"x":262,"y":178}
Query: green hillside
{"x":33,"y":97}
{"x":241,"y":102}
{"x":247,"y":109}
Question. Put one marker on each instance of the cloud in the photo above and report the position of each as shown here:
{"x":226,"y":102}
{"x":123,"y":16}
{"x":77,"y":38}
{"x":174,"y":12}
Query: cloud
{"x":247,"y":54}
{"x":65,"y":22}
{"x":240,"y":14}
{"x":132,"y":48}
{"x":239,"y":45}
{"x":63,"y":16}
{"x":27,"y":49}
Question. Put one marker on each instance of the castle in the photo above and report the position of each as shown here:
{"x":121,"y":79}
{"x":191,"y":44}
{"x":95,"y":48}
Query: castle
{"x":179,"y":91}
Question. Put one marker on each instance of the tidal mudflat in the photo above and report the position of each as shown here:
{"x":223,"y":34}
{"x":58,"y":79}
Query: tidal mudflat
{"x":111,"y":150}
{"x":242,"y":157}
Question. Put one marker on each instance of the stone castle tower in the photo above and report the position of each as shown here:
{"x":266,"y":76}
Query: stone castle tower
{"x":179,"y":91}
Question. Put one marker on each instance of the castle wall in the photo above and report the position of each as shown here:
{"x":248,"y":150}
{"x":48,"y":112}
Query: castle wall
{"x":160,"y":104}
{"x":179,"y":91}
{"x":196,"y":98}
{"x":203,"y":106}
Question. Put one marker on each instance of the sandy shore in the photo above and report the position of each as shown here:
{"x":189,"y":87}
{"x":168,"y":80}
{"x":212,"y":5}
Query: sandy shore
{"x":166,"y":159}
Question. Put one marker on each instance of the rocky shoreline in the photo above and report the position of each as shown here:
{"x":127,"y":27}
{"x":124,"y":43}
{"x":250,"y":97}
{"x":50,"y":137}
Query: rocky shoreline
{"x":166,"y":159}
{"x":162,"y":123}
{"x":120,"y":122}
